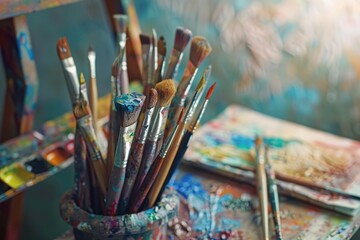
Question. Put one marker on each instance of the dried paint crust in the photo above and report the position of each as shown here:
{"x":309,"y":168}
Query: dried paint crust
{"x":107,"y":227}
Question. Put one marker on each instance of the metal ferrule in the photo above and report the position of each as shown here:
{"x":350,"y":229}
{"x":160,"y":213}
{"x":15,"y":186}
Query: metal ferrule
{"x":150,"y":66}
{"x":155,"y":128}
{"x":126,"y":135}
{"x":123,"y":64}
{"x":270,"y":174}
{"x":168,"y":142}
{"x":122,"y":40}
{"x":186,"y":82}
{"x":165,"y":113}
{"x":196,"y":121}
{"x":87,"y":130}
{"x":154,"y":65}
{"x":92,"y":67}
{"x":174,"y":63}
{"x":72,"y":80}
{"x":145,"y":125}
{"x":113,"y":87}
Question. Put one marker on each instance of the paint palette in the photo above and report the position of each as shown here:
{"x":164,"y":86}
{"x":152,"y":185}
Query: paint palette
{"x":56,"y":155}
{"x":37,"y":165}
{"x":15,"y":175}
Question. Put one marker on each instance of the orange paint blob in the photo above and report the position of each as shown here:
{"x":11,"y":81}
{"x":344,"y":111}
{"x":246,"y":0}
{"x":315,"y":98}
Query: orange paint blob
{"x":57,"y":156}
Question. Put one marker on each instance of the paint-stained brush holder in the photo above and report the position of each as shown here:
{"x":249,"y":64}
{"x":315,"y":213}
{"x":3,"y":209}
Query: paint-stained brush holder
{"x":148,"y":224}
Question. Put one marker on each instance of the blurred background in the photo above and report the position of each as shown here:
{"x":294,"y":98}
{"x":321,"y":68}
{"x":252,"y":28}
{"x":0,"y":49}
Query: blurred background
{"x":292,"y":59}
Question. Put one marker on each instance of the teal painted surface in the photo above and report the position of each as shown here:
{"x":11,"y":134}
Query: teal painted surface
{"x":292,"y":59}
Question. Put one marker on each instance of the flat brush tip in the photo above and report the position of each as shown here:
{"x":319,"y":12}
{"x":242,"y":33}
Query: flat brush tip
{"x":121,"y":21}
{"x":81,"y":109}
{"x":82,"y":79}
{"x":182,"y":38}
{"x":152,"y":99}
{"x":199,"y":50}
{"x":166,"y":90}
{"x":63,"y":48}
{"x":128,"y":106}
{"x":210,"y":91}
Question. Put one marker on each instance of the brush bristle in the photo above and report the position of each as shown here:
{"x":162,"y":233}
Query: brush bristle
{"x":199,"y":50}
{"x":82,"y":79}
{"x":152,"y":98}
{"x":182,"y":38}
{"x":81,"y":109}
{"x":91,"y":52}
{"x":162,"y":46}
{"x":144,"y":39}
{"x":166,"y":90}
{"x":63,"y":48}
{"x":201,"y":83}
{"x":121,"y":21}
{"x":129,"y":107}
{"x":210,"y":91}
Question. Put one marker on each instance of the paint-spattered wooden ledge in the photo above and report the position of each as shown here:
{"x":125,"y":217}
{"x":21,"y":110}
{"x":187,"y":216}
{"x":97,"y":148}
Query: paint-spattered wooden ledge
{"x":17,"y":7}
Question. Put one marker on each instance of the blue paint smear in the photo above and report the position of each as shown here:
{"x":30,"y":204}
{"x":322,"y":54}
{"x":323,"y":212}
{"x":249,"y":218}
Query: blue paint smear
{"x":128,"y":102}
{"x":23,"y":41}
{"x":188,"y":185}
{"x":242,"y":142}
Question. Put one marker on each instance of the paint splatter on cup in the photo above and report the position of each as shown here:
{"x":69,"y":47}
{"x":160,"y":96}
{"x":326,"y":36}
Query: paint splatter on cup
{"x":149,"y":224}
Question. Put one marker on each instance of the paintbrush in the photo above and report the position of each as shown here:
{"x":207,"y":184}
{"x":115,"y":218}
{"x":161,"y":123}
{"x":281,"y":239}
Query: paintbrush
{"x":146,"y":49}
{"x":121,"y":21}
{"x":113,"y":123}
{"x":182,"y":38}
{"x":206,"y":75}
{"x":273,"y":195}
{"x":262,"y":186}
{"x":69,"y":68}
{"x":84,"y":121}
{"x":140,"y":195}
{"x":136,"y":153}
{"x":128,"y":108}
{"x":83,"y":89}
{"x":161,"y":59}
{"x":160,"y":179}
{"x":184,"y":144}
{"x":154,"y":59}
{"x":199,"y":50}
{"x":80,"y":169}
{"x":166,"y":90}
{"x":93,"y":93}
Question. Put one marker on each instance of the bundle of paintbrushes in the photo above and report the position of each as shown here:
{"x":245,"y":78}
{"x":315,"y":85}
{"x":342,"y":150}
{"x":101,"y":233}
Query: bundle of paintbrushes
{"x":148,"y":133}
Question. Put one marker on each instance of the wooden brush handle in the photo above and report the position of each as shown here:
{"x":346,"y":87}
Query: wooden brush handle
{"x":139,"y":197}
{"x":132,"y":170}
{"x":80,"y":168}
{"x":165,"y":168}
{"x":263,"y":198}
{"x":114,"y":191}
{"x":149,"y":154}
{"x":93,"y":101}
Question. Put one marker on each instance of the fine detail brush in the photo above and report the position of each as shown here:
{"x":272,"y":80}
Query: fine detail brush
{"x":128,"y":108}
{"x":273,"y":196}
{"x":262,"y":186}
{"x":199,"y":50}
{"x":93,"y":92}
{"x":84,"y":120}
{"x":161,"y":59}
{"x":160,"y":179}
{"x":146,"y":49}
{"x":154,"y":58}
{"x":83,"y":89}
{"x":121,"y":21}
{"x":138,"y":198}
{"x":136,"y":152}
{"x":166,"y":90}
{"x":113,"y":123}
{"x":182,"y":38}
{"x":69,"y":67}
{"x":184,"y":144}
